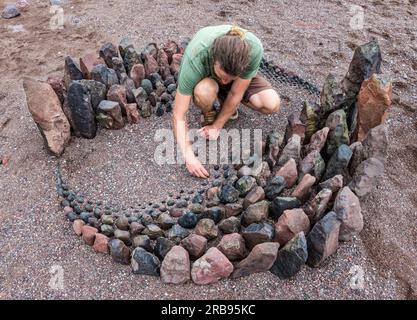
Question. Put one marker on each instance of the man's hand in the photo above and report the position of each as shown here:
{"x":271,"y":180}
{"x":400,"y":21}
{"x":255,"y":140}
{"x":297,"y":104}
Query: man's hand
{"x":195,"y":167}
{"x":210,"y":132}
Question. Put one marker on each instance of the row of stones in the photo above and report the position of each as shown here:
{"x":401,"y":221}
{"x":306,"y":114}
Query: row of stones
{"x":116,"y":86}
{"x":240,"y":200}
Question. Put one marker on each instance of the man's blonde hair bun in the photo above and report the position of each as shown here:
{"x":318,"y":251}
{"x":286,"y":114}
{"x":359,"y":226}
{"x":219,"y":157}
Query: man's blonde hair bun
{"x":236,"y":31}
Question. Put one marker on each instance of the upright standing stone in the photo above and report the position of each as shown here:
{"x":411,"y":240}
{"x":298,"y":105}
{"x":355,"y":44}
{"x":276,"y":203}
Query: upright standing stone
{"x":290,"y":223}
{"x":366,"y":61}
{"x":46,"y":111}
{"x":339,"y":162}
{"x":88,"y":62}
{"x":375,"y":143}
{"x":348,"y":210}
{"x":79,"y":100}
{"x":366,"y":176}
{"x":72,"y":71}
{"x":295,"y":126}
{"x":373,"y":102}
{"x":338,"y":131}
{"x":309,"y":117}
{"x":107,"y":52}
{"x":291,"y":257}
{"x":323,"y":239}
{"x":291,"y":150}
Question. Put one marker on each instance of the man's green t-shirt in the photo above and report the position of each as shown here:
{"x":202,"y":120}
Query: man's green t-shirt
{"x":197,"y":61}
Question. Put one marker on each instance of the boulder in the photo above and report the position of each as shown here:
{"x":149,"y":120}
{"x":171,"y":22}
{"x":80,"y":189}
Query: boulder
{"x":142,"y":241}
{"x":339,"y":162}
{"x":105,"y":75}
{"x":290,"y":223}
{"x":348,"y":211}
{"x":317,"y":141}
{"x":232,"y":246}
{"x":313,"y":164}
{"x":177,"y":233}
{"x":255,"y":213}
{"x":175,"y":267}
{"x":88,"y":62}
{"x":195,"y":244}
{"x":291,"y":257}
{"x":375,"y":143}
{"x":323,"y":239}
{"x":260,"y":259}
{"x":289,"y":172}
{"x":258,"y":233}
{"x":230,"y":225}
{"x":211,"y":267}
{"x":71,"y":71}
{"x":309,"y":117}
{"x":302,"y":191}
{"x":228,"y":194}
{"x":316,"y":207}
{"x":206,"y":228}
{"x":101,"y":243}
{"x":366,"y":177}
{"x":334,"y":184}
{"x":274,"y":187}
{"x":291,"y":150}
{"x":107,"y":52}
{"x":137,"y":74}
{"x":255,"y":195}
{"x":46,"y":111}
{"x":113,"y":111}
{"x":338,"y":131}
{"x":245,"y":184}
{"x":162,"y":247}
{"x":280,"y":204}
{"x":118,"y":94}
{"x":374,"y":99}
{"x":144,"y":262}
{"x":119,"y":251}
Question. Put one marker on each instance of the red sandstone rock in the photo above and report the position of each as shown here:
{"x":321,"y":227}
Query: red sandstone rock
{"x":46,"y":111}
{"x":132,"y":113}
{"x":303,"y":188}
{"x":175,"y":267}
{"x":289,"y":172}
{"x":78,"y":225}
{"x":151,"y":66}
{"x":101,"y":243}
{"x":232,"y":246}
{"x":255,"y":195}
{"x":289,"y":224}
{"x":117,"y":93}
{"x":176,"y":63}
{"x":348,"y":210}
{"x":317,"y":141}
{"x":137,"y":73}
{"x":89,"y":234}
{"x":211,"y":267}
{"x":260,"y":259}
{"x":195,"y":244}
{"x":373,"y":101}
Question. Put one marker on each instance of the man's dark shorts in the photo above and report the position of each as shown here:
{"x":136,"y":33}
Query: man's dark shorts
{"x":257,"y":85}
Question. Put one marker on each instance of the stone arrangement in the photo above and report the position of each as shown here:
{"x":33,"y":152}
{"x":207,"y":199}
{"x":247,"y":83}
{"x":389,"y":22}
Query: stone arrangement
{"x":292,"y":207}
{"x":118,"y":85}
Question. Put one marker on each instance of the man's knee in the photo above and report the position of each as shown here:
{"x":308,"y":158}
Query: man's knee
{"x":205,"y":92}
{"x":273,"y":104}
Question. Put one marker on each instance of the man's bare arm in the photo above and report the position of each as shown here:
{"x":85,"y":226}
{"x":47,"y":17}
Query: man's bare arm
{"x":180,"y":126}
